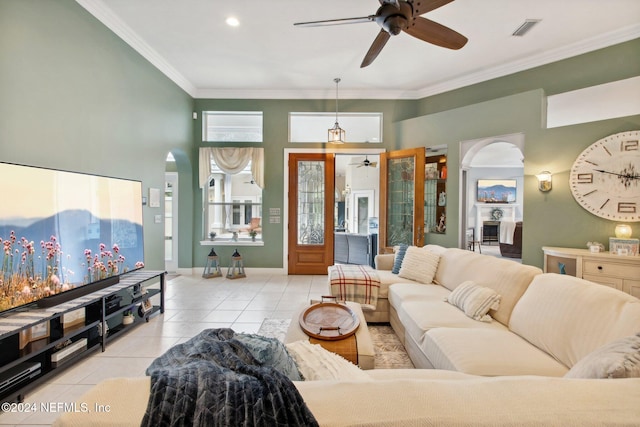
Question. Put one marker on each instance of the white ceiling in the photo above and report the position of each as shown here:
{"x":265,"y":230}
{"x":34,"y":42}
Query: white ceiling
{"x":267,"y":57}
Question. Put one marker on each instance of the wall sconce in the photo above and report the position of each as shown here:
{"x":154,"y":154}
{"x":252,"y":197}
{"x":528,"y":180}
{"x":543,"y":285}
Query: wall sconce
{"x":544,"y":181}
{"x":623,"y":231}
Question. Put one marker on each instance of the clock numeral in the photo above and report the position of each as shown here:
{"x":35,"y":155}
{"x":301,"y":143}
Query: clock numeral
{"x":629,"y":145}
{"x":626,"y":207}
{"x":589,"y":193}
{"x":605,"y":149}
{"x":591,"y":163}
{"x":584,"y":178}
{"x":603,"y":205}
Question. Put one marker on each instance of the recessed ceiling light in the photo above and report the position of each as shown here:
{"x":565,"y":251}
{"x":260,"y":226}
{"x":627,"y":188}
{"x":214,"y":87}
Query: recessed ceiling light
{"x":232,"y":21}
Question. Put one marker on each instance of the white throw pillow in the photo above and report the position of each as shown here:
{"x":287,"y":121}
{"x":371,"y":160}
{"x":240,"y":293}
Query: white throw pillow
{"x":474,"y":300}
{"x":419,"y":265}
{"x":618,"y":359}
{"x":316,"y":363}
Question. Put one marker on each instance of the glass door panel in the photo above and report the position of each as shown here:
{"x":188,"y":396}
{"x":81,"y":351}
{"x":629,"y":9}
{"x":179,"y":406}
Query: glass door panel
{"x":311,"y":204}
{"x":402,"y":198}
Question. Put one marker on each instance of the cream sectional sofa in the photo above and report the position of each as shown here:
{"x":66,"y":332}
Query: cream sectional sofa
{"x":410,"y":397}
{"x":546,"y":358}
{"x":544,"y":325}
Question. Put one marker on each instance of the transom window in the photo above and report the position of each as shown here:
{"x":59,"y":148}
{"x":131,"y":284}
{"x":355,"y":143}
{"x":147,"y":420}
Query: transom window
{"x":312,"y":127}
{"x":232,"y":126}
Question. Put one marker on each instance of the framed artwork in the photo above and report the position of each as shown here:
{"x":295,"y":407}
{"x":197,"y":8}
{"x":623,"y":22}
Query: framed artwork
{"x":145,"y":307}
{"x":624,"y":246}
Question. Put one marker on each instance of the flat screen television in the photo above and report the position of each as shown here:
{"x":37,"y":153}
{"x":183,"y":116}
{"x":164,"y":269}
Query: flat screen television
{"x":496,"y":190}
{"x":65,"y":234}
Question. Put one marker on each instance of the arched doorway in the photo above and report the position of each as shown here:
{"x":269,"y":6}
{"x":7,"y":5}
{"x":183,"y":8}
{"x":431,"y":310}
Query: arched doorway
{"x":498,"y":158}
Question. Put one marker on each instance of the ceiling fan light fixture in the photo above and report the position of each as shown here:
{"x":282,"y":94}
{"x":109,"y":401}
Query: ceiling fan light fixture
{"x":336,"y":135}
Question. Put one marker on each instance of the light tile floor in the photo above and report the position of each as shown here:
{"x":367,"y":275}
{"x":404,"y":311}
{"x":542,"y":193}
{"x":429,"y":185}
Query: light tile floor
{"x":192,"y":304}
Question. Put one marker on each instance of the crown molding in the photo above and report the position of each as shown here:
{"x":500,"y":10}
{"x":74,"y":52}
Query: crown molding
{"x":104,"y":14}
{"x":584,"y":46}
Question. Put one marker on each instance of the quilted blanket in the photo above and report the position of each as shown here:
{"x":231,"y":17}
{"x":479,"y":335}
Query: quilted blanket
{"x":214,"y":380}
{"x":357,"y":283}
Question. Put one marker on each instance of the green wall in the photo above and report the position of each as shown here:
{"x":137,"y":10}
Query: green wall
{"x":74,"y":96}
{"x":276,"y":136}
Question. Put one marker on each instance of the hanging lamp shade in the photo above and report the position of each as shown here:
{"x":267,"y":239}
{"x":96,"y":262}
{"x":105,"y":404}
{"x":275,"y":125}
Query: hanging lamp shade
{"x":336,"y":135}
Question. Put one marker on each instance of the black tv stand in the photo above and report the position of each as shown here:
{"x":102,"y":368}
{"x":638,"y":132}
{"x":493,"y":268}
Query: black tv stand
{"x":37,"y":343}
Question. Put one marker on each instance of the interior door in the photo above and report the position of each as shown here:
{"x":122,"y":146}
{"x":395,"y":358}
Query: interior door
{"x":402,"y":198}
{"x":311,"y":206}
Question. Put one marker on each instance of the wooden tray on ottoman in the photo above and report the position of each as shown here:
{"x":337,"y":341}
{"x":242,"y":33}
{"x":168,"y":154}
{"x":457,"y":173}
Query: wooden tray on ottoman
{"x":329,"y":321}
{"x":333,"y":326}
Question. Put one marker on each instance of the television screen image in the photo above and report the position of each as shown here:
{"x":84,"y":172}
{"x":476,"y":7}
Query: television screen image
{"x":497,"y":190}
{"x":61,"y":231}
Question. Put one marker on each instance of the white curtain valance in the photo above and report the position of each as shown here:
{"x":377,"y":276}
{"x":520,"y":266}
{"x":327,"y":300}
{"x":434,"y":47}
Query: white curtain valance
{"x":232,"y":160}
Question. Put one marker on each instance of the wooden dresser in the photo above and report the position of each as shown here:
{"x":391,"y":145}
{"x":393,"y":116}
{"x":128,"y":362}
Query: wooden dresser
{"x":618,"y":271}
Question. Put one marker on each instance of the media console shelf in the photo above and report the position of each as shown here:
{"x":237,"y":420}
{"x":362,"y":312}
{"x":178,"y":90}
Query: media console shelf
{"x":37,"y":343}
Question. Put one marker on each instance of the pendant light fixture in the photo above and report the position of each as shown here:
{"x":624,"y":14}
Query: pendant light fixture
{"x":336,"y":133}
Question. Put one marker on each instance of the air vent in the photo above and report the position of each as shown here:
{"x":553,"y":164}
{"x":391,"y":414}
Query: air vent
{"x":525,"y":27}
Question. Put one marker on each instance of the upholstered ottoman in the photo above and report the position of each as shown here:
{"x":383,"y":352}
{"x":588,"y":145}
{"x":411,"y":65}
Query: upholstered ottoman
{"x":365,"y":351}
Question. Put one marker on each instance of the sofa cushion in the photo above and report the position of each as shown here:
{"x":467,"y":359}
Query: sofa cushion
{"x":387,"y":278}
{"x":618,"y":359}
{"x":475,"y":301}
{"x":488,"y":352}
{"x":508,"y":278}
{"x":398,"y":258}
{"x":419,"y":264}
{"x":419,"y":316}
{"x":401,"y":292}
{"x":569,"y":317}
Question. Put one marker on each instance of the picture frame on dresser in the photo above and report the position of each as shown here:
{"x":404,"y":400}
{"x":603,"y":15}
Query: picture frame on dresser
{"x":624,"y":246}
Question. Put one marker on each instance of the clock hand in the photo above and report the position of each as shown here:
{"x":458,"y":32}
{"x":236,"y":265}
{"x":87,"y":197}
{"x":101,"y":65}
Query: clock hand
{"x":618,"y":174}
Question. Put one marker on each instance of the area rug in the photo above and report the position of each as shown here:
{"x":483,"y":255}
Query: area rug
{"x":390,"y":353}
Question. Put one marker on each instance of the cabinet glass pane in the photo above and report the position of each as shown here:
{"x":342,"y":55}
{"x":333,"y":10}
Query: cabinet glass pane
{"x":311,"y":203}
{"x":435,"y":194}
{"x":400,"y":179}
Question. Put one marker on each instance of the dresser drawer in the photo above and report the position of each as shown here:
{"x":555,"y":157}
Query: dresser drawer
{"x":611,"y":269}
{"x":632,"y":287}
{"x":612,"y":282}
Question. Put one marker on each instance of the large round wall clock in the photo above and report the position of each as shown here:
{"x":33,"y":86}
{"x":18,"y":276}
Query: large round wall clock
{"x":605,"y":178}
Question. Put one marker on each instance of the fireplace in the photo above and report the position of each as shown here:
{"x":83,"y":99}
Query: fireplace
{"x":490,"y":231}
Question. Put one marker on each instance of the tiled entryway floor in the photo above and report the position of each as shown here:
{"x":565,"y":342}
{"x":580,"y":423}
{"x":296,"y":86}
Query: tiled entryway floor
{"x":192,"y":305}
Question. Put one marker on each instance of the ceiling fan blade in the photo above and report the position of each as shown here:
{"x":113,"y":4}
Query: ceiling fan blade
{"x":427,"y":6}
{"x":339,"y":21}
{"x":373,"y":164}
{"x":381,"y":39}
{"x":432,"y":32}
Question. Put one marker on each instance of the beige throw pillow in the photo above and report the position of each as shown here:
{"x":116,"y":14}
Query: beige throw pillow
{"x":618,"y":359}
{"x":474,"y":300}
{"x":419,"y":264}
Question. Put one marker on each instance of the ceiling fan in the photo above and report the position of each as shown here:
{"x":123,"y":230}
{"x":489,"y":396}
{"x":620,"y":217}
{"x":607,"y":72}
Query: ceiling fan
{"x":366,"y":163}
{"x":395,"y":16}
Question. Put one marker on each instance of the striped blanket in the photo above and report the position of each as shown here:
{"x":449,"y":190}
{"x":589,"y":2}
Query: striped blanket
{"x":358,"y":283}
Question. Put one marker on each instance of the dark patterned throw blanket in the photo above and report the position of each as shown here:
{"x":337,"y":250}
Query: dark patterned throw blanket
{"x":220,"y":378}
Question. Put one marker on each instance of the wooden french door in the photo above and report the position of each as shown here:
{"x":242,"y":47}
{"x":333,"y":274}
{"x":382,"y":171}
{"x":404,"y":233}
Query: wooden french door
{"x":311,"y":206}
{"x":402,"y":198}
